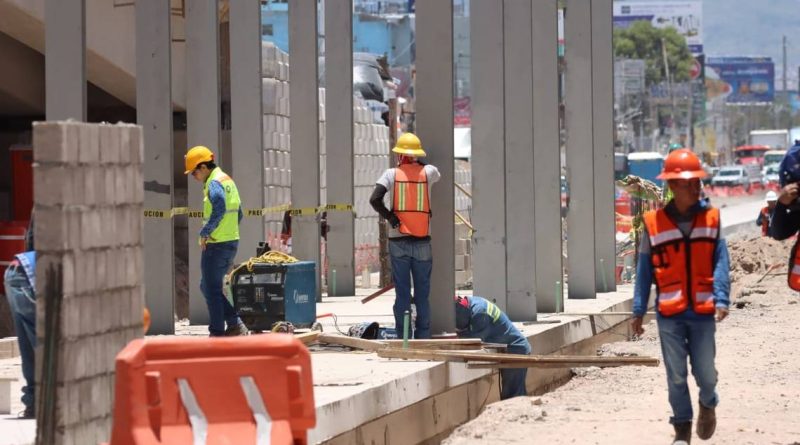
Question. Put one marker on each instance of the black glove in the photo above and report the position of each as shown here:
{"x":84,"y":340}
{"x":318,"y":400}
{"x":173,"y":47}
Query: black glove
{"x":394,"y":221}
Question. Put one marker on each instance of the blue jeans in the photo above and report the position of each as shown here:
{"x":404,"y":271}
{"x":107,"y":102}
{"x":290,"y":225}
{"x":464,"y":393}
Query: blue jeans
{"x":22,"y":300}
{"x":682,"y":338}
{"x":412,"y":258}
{"x":512,"y":380}
{"x":215,"y":262}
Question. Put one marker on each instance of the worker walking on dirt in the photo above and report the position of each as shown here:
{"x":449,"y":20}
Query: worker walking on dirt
{"x":477,"y":317}
{"x":684,"y":253}
{"x":766,"y":212}
{"x":409,"y":234}
{"x":219,"y":238}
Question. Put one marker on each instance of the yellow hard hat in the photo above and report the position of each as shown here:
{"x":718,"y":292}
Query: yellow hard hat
{"x":196,"y":156}
{"x":409,"y":144}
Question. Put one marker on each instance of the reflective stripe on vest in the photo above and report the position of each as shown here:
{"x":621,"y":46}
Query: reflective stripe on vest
{"x":683,"y":265}
{"x":228,"y":228}
{"x":410,"y":200}
{"x":493,"y":311}
{"x":794,"y":267}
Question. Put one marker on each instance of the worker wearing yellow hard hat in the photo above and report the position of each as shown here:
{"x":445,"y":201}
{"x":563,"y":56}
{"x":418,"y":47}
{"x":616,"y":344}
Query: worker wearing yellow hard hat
{"x":409,"y":145}
{"x":219,"y":238}
{"x":409,"y":216}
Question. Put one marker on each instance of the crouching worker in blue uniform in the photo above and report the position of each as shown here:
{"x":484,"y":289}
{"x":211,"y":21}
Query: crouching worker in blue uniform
{"x":477,"y":317}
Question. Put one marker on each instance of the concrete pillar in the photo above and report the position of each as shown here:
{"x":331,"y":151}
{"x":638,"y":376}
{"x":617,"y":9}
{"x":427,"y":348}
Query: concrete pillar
{"x":546,"y":154}
{"x":339,"y":131}
{"x":246,"y":118}
{"x":65,"y":59}
{"x":520,"y":196}
{"x":304,"y":129}
{"x":154,"y":114}
{"x":488,"y":166}
{"x":603,"y":136}
{"x":580,"y":141}
{"x":88,"y":198}
{"x":203,"y":123}
{"x":434,"y":123}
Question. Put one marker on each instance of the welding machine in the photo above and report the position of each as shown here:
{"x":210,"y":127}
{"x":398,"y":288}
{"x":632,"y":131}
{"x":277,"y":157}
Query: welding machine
{"x":270,"y":293}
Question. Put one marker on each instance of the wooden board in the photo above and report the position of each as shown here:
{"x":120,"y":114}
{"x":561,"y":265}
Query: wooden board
{"x":531,"y":361}
{"x":308,"y":337}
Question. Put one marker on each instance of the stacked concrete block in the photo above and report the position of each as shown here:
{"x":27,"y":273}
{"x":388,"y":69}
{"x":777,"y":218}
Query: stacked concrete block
{"x":88,"y":194}
{"x":463,"y":177}
{"x":370,"y":149}
{"x":372,"y":157}
{"x":463,"y":260}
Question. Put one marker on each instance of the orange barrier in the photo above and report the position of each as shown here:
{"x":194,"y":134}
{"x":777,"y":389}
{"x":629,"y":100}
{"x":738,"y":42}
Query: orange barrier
{"x":238,"y":390}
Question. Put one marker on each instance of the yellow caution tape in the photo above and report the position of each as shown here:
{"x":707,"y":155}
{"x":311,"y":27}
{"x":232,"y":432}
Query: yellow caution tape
{"x":305,"y":211}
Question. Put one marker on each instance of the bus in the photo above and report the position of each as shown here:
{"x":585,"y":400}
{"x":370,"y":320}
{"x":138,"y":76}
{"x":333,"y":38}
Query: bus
{"x":750,"y":154}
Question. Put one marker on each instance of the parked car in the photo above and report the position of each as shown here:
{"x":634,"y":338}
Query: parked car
{"x":771,"y":175}
{"x":735,"y":175}
{"x":712,"y":171}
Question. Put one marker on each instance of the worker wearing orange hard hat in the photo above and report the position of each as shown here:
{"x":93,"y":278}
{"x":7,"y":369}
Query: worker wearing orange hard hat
{"x":219,"y":238}
{"x":682,"y":251}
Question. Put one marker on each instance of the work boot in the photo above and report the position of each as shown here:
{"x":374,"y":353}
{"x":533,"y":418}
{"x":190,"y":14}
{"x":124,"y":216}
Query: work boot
{"x":239,"y":329}
{"x":28,"y":413}
{"x":706,"y":422}
{"x":683,"y":433}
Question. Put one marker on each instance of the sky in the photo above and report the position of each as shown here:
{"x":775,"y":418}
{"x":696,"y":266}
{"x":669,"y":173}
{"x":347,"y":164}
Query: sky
{"x":754,"y":28}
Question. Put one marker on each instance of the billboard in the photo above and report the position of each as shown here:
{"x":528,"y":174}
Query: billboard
{"x":740,"y":80}
{"x":684,"y":15}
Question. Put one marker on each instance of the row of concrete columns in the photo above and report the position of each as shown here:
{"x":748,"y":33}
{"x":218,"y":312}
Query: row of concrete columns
{"x":518,"y":249}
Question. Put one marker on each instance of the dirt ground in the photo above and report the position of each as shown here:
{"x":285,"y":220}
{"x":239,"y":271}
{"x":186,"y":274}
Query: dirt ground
{"x":758,"y":361}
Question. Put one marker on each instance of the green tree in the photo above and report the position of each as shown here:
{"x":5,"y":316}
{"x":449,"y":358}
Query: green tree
{"x":643,"y":41}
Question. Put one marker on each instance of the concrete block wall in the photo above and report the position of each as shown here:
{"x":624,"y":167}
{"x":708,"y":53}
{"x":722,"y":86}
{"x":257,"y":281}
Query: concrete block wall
{"x":463,"y":205}
{"x":370,"y":149}
{"x":88,"y":201}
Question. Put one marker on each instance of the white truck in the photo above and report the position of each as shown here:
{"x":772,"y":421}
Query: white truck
{"x":774,"y":139}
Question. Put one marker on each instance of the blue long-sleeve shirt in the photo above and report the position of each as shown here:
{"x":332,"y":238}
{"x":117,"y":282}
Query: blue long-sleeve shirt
{"x":644,"y":276}
{"x":490,"y":325}
{"x":216,"y":194}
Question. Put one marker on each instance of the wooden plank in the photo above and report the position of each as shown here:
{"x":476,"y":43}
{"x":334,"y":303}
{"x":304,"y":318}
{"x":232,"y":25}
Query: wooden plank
{"x":352,"y":342}
{"x":377,"y":294}
{"x":646,"y":361}
{"x":532,"y":360}
{"x":431,"y":342}
{"x":595,"y":314}
{"x":308,"y":337}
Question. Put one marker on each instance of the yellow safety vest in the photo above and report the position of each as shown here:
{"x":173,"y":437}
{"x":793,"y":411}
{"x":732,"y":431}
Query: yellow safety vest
{"x":228,"y":228}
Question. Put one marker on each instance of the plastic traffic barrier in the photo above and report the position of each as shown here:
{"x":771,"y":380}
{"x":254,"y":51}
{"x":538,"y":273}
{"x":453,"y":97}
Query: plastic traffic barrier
{"x":238,"y":390}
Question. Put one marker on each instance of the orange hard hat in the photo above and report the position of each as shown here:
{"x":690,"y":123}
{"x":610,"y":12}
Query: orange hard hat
{"x":196,"y":156}
{"x":682,"y":164}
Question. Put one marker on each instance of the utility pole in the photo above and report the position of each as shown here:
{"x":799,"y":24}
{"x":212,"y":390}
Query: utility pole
{"x":671,"y":93}
{"x":785,"y":88}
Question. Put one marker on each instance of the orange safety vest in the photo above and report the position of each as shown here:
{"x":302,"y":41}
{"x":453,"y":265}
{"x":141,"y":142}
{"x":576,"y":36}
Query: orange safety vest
{"x":410,"y":200}
{"x":683,"y":265}
{"x":794,"y":267}
{"x":764,"y":221}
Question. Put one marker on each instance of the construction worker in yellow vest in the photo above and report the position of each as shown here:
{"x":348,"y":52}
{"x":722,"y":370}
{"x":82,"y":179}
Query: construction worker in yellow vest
{"x":409,"y":234}
{"x":219,"y":238}
{"x":684,"y":254}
